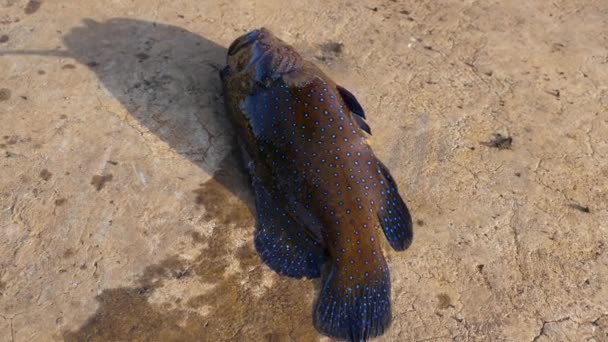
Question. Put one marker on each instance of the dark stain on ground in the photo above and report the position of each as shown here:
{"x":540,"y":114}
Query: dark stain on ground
{"x":228,"y":186}
{"x":60,"y":201}
{"x":5,"y":94}
{"x":499,"y":141}
{"x":219,"y":204}
{"x":24,"y":179}
{"x":68,"y":67}
{"x":420,"y":223}
{"x":281,"y":313}
{"x":196,"y":237}
{"x":333,"y":47}
{"x":68,"y":253}
{"x":4,"y":38}
{"x":32,"y":6}
{"x":581,"y":208}
{"x":330,"y":51}
{"x":112,"y":162}
{"x":142,"y":56}
{"x":125,"y":315}
{"x":444,"y":301}
{"x":600,"y":328}
{"x":45,"y":174}
{"x":554,"y":92}
{"x":99,"y":181}
{"x":8,"y":21}
{"x":14,"y":139}
{"x":41,"y":72}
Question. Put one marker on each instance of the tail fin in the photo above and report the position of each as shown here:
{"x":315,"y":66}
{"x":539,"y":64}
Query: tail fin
{"x":354,"y":309}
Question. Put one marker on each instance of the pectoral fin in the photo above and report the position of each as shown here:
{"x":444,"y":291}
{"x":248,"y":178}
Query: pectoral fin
{"x":283,"y":243}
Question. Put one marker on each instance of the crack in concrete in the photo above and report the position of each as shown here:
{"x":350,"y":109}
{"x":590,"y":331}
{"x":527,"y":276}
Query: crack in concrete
{"x":538,"y":179}
{"x":432,"y":338}
{"x":462,"y":320}
{"x":544,"y":324}
{"x":590,"y":144}
{"x":10,"y":323}
{"x":123,"y":118}
{"x":475,"y":175}
{"x":543,"y":332}
{"x":595,"y":321}
{"x":516,"y":241}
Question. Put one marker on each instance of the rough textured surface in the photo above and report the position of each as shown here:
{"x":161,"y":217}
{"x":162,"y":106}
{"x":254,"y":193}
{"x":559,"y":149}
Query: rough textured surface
{"x":124,"y":216}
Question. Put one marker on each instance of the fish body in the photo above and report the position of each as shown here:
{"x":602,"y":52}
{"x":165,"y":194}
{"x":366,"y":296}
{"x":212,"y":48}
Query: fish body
{"x":322,"y":196}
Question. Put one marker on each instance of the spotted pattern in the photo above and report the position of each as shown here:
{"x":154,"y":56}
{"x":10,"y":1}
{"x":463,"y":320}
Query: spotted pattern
{"x":357,"y":314}
{"x":308,"y":143}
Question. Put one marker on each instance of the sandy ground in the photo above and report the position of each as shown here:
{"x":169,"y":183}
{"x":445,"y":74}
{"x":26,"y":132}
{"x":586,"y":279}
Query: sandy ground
{"x":124,"y":215}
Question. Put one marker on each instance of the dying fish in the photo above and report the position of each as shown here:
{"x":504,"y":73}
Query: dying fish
{"x":321,"y":193}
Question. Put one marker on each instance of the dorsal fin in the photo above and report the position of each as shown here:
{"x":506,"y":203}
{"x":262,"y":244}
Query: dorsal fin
{"x":351,"y":102}
{"x":362,"y":124}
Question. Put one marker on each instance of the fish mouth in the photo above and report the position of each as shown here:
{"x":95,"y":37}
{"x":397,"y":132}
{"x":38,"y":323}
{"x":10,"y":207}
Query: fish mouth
{"x":248,"y":49}
{"x":246,"y":40}
{"x":261,"y":54}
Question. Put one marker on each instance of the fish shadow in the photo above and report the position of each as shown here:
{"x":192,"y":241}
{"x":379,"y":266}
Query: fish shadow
{"x":167,"y":78}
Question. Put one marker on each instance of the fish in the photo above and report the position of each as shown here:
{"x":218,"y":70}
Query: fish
{"x":321,"y":194}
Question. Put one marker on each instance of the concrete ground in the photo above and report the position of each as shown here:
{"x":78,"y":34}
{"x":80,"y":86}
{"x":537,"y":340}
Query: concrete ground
{"x":125,"y":216}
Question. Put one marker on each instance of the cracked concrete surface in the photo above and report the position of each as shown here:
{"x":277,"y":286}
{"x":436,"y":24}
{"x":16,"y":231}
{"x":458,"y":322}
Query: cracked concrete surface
{"x":124,"y":215}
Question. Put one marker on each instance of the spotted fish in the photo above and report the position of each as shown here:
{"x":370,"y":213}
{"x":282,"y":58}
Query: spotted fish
{"x":321,"y":194}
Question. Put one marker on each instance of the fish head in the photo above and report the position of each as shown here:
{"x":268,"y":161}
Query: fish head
{"x":259,"y":58}
{"x":256,"y":62}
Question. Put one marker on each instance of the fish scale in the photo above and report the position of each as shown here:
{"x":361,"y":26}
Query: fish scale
{"x":321,"y":194}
